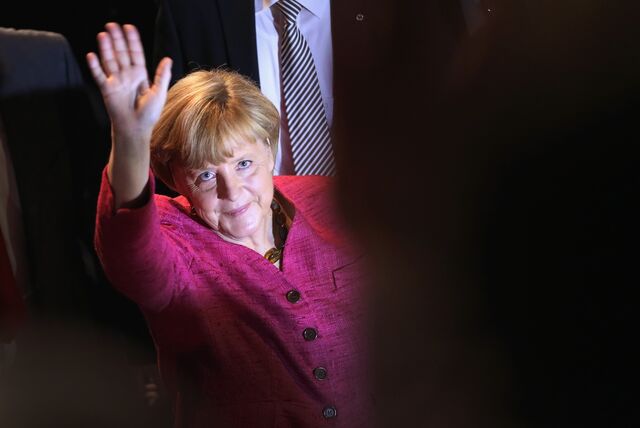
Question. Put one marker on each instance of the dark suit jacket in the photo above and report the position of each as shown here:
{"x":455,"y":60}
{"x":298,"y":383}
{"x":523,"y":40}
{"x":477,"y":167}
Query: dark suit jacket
{"x":58,"y":142}
{"x":40,"y":86}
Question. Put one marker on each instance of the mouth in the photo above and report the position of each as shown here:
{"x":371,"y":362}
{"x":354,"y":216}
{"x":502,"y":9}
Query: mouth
{"x":238,"y":211}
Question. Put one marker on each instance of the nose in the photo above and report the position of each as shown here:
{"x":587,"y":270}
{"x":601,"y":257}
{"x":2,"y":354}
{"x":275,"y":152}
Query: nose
{"x":229,"y":186}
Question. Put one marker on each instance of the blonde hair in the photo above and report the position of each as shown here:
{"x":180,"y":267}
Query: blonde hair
{"x":206,"y":114}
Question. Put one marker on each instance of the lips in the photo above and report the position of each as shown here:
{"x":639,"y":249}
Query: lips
{"x":238,"y":211}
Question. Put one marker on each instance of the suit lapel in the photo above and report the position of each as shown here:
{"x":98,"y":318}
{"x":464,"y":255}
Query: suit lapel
{"x":238,"y":22}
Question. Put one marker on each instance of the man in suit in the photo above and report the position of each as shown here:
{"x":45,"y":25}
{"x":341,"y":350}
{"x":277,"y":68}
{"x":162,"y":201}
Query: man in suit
{"x":55,"y":144}
{"x":40,"y":87}
{"x":345,"y":38}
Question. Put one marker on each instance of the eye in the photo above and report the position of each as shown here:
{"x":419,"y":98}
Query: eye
{"x":206,"y":176}
{"x":244,"y":164}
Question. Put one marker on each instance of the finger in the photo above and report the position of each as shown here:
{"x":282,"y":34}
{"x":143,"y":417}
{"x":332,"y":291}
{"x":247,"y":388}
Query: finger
{"x":109,"y":63}
{"x":134,"y":43}
{"x":119,"y":44}
{"x":96,"y":69}
{"x":163,"y":74}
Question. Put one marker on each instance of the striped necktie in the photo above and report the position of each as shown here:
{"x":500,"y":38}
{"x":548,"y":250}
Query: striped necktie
{"x":303,"y":108}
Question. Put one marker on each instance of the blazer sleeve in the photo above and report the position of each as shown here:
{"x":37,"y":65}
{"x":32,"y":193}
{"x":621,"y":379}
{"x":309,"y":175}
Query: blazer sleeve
{"x":138,"y":257}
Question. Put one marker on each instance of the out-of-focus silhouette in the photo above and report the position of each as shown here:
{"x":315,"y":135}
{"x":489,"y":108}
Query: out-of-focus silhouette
{"x":68,"y":374}
{"x":495,"y":185}
{"x":52,"y":135}
{"x":54,"y":143}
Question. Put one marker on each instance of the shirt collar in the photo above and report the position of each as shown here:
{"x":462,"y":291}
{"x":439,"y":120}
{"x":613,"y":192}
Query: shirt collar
{"x":316,"y":7}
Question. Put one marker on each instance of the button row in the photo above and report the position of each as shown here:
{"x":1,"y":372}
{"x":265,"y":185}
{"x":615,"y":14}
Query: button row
{"x":309,"y":334}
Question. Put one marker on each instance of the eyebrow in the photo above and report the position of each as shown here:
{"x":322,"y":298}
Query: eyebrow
{"x":241,"y":156}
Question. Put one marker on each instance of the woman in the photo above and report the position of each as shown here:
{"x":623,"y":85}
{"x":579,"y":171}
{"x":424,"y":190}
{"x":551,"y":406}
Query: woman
{"x":248,"y":284}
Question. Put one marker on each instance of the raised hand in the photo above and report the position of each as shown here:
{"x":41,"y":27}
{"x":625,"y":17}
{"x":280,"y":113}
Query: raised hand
{"x":134,"y":107}
{"x":133,"y":104}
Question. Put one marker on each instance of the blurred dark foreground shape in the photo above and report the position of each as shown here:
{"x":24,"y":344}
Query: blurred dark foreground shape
{"x":494,"y":178}
{"x":68,"y":375}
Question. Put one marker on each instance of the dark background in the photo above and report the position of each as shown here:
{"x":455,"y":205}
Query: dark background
{"x":79,"y":22}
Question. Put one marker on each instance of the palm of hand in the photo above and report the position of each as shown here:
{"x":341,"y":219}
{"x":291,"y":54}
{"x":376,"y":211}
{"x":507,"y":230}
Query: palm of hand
{"x":129,"y":99}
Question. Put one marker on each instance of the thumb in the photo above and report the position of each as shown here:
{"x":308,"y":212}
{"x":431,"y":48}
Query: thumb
{"x":163,"y":75}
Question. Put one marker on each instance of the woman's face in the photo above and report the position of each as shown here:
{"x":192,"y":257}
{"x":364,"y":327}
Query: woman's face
{"x":233,"y":197}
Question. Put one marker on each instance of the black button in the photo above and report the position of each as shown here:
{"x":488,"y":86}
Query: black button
{"x":329,"y":412}
{"x":293,"y":296}
{"x":320,"y":373}
{"x":309,"y":334}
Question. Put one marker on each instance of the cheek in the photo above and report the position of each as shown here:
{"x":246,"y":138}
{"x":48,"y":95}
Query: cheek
{"x":205,"y":203}
{"x":263,"y":188}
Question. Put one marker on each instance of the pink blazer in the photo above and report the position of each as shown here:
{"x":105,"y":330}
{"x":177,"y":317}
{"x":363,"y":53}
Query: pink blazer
{"x":241,"y":343}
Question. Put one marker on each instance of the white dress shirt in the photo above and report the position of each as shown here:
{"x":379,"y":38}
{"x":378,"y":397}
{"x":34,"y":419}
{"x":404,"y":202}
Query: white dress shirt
{"x":314,"y":22}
